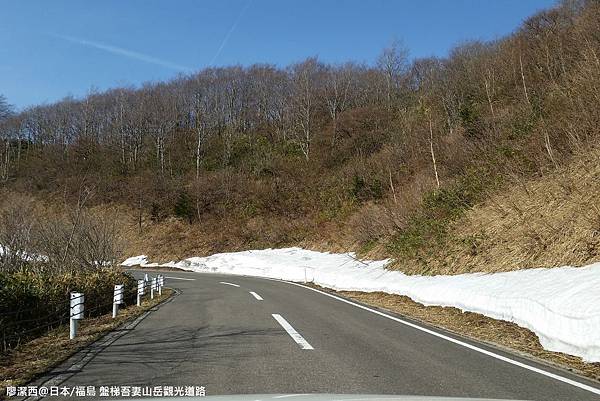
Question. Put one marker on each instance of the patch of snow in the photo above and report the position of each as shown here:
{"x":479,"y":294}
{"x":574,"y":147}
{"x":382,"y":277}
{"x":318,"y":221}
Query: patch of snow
{"x":135,"y":261}
{"x":30,"y":257}
{"x":560,"y":305}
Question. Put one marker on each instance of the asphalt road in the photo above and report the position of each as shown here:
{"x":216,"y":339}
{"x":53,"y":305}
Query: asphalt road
{"x":227,"y":339}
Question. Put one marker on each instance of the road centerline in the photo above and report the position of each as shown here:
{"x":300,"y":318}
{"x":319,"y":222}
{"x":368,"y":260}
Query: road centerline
{"x":231,"y":284}
{"x":292,"y":332}
{"x":255,"y":295}
{"x":180,"y":278}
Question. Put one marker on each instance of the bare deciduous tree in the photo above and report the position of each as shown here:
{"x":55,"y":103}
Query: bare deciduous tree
{"x":393,"y":62}
{"x":305,"y":78}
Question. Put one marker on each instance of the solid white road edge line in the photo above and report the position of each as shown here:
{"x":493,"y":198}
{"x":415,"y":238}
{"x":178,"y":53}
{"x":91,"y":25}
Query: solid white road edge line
{"x":255,"y":295}
{"x":181,"y":278}
{"x":292,"y":332}
{"x":226,"y":283}
{"x":455,"y":341}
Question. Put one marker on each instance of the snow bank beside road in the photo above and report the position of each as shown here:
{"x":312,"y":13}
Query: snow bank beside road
{"x":561,"y":305}
{"x":30,"y":257}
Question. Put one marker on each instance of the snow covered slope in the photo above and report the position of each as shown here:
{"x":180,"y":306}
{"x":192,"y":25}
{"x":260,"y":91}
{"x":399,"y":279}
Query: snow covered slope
{"x":561,"y":305}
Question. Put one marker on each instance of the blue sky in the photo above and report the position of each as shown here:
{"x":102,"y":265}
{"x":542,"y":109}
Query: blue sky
{"x":51,"y":49}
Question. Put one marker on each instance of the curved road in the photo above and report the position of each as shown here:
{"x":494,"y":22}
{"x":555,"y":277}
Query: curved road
{"x":243,"y":335}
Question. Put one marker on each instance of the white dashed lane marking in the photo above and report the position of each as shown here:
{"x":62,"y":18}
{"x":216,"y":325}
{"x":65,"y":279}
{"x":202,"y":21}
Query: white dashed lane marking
{"x":226,"y":283}
{"x":255,"y":295}
{"x":292,"y":332}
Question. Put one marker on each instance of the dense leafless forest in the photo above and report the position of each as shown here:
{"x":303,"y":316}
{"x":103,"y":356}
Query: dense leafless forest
{"x":384,"y":154}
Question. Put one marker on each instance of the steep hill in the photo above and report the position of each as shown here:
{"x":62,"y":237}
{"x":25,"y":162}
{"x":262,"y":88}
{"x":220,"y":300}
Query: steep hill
{"x":549,"y":221}
{"x":470,"y":162}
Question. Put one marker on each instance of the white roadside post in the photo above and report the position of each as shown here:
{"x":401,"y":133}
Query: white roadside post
{"x":76,"y":313}
{"x":117,"y":298}
{"x":146,"y":279}
{"x":160,"y":284}
{"x":140,"y":292}
{"x":152,"y":287}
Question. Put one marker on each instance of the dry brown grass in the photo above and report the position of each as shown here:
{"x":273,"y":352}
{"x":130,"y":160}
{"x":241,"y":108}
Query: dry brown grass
{"x":496,"y":332}
{"x":33,"y":358}
{"x":169,"y":240}
{"x":175,"y":239}
{"x":550,"y":221}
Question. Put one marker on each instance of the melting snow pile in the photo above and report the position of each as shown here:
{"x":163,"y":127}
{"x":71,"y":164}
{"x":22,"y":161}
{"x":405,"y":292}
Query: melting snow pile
{"x":31,"y":257}
{"x":561,"y":305}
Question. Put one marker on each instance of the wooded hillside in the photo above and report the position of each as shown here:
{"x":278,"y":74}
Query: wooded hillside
{"x":376,"y":158}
